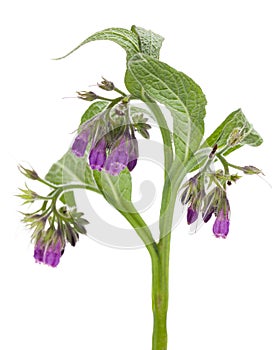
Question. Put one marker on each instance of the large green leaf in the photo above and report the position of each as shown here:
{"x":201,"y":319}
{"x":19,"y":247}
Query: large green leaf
{"x":71,"y":169}
{"x":94,"y":109}
{"x":235,"y":122}
{"x":179,"y":93}
{"x":149,"y":42}
{"x":123,"y":37}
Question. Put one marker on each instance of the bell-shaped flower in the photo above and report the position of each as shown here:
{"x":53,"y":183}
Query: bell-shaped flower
{"x":48,"y":254}
{"x":192,"y":214}
{"x":124,"y":154}
{"x":97,"y":156}
{"x":118,"y":158}
{"x":221,"y":224}
{"x":133,"y":154}
{"x":80,"y":143}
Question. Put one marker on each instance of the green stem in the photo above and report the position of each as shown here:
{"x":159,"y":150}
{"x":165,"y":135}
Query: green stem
{"x":104,"y":99}
{"x":45,"y":182}
{"x":165,"y":132}
{"x":120,"y":92}
{"x":160,"y":290}
{"x":143,"y":232}
{"x":235,"y":166}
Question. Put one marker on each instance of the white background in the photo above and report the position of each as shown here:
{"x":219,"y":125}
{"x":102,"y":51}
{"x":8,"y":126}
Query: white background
{"x":224,"y":294}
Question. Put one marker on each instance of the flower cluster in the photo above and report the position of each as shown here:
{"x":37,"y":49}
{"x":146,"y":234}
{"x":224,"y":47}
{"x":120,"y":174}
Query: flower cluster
{"x":213,"y":199}
{"x":52,"y":230}
{"x":111,"y":136}
{"x":215,"y":202}
{"x":52,"y":227}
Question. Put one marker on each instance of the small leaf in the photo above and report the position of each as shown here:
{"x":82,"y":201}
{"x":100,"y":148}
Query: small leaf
{"x":133,"y":85}
{"x":116,"y":189}
{"x":71,"y":169}
{"x":179,"y":93}
{"x":123,"y":37}
{"x":94,"y":109}
{"x":235,"y":121}
{"x":149,"y":42}
{"x":68,"y":198}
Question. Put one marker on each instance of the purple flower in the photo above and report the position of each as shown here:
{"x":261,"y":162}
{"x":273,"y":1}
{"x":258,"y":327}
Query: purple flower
{"x":221,"y":224}
{"x":192,"y":215}
{"x":208,"y":214}
{"x":80,"y":144}
{"x":48,"y":254}
{"x":118,"y":158}
{"x":39,"y":252}
{"x":133,"y":154}
{"x":97,"y":156}
{"x":124,"y":154}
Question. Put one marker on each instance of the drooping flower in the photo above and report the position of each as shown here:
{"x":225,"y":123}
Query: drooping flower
{"x":221,"y":224}
{"x":80,"y":143}
{"x":124,"y":154}
{"x":211,"y":202}
{"x":133,"y":154}
{"x":192,"y":214}
{"x":193,"y":195}
{"x":190,"y":190}
{"x":97,"y":156}
{"x":118,"y":158}
{"x":48,"y":254}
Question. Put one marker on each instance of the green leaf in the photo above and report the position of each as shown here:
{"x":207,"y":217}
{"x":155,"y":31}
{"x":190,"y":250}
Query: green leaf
{"x":116,"y":189}
{"x":179,"y":93}
{"x":132,"y":85}
{"x":71,"y":169}
{"x":68,"y":198}
{"x":94,"y":109}
{"x":149,"y":42}
{"x":123,"y":37}
{"x":236,"y":121}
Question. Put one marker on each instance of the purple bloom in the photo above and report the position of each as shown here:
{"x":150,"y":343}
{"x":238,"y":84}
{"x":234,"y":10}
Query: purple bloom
{"x":97,"y":156}
{"x":39,"y":252}
{"x":49,"y":255}
{"x":118,"y":158}
{"x":124,"y":154}
{"x":133,"y":154}
{"x":221,"y":224}
{"x":132,"y":164}
{"x":80,"y":144}
{"x":192,"y":215}
{"x":208,"y":214}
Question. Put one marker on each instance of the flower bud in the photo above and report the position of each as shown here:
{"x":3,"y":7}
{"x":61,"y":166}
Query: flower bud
{"x":251,"y":170}
{"x":106,"y":85}
{"x":192,"y":215}
{"x":87,"y":95}
{"x":235,"y":137}
{"x":31,"y":174}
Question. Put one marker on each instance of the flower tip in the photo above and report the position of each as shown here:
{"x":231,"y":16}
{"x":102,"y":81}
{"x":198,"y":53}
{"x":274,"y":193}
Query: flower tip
{"x":192,"y":215}
{"x":132,"y":164}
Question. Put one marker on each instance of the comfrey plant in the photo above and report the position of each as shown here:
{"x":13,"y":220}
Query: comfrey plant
{"x":105,"y":152}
